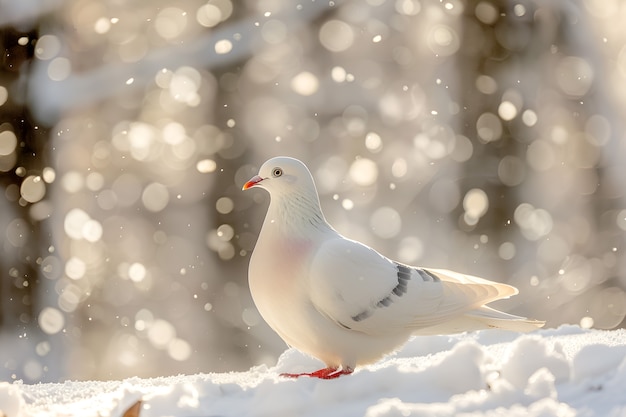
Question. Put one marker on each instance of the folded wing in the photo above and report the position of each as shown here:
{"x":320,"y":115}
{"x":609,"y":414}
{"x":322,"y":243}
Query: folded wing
{"x":357,"y":288}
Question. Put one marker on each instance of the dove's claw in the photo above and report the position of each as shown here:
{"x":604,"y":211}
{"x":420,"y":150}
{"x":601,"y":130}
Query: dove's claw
{"x":326,"y":373}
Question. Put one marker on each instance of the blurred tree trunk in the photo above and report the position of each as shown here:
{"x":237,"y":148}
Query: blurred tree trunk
{"x":31,"y":355}
{"x":490,"y":58}
{"x":546,"y":139}
{"x":19,"y":256}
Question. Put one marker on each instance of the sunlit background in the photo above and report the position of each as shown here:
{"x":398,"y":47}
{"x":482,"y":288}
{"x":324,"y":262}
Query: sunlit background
{"x":482,"y":136}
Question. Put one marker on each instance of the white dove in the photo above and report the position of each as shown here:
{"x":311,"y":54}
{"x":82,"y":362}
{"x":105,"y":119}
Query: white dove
{"x":340,"y":300}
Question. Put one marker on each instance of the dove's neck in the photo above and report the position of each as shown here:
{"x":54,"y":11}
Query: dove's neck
{"x":296,"y":215}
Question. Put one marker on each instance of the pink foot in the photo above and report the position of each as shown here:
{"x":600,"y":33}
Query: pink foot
{"x":326,"y":373}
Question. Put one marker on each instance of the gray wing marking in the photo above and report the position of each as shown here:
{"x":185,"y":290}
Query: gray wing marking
{"x":363,"y":315}
{"x":427,"y":276}
{"x":404,"y":273}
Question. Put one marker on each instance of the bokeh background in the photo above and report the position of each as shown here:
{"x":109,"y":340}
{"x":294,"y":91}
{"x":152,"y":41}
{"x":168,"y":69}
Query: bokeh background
{"x":483,"y":136}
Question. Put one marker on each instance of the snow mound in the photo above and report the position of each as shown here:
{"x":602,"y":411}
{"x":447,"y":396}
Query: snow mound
{"x":553,"y":372}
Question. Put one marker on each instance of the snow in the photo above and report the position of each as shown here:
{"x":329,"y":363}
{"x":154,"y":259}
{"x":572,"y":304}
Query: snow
{"x":553,"y":372}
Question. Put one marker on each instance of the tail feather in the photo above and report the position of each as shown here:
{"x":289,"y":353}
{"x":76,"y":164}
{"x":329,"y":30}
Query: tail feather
{"x":506,"y":321}
{"x":483,"y":318}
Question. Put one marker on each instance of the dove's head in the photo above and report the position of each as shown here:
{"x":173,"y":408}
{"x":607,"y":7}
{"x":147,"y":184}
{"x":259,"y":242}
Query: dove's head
{"x":294,"y":201}
{"x":283,"y":176}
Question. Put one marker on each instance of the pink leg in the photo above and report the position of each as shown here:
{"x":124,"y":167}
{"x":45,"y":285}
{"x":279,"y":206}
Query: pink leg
{"x":326,"y":373}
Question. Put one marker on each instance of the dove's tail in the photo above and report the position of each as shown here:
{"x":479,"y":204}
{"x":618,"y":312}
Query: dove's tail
{"x":497,"y":319}
{"x":483,"y":318}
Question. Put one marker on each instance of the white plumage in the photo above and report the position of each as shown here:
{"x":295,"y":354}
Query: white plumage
{"x":341,"y":301}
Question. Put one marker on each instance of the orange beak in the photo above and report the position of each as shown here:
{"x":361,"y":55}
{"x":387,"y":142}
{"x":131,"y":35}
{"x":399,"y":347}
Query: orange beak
{"x":253,"y":181}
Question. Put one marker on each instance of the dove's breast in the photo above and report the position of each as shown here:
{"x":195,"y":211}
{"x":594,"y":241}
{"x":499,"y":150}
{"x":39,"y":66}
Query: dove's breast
{"x":277,"y":282}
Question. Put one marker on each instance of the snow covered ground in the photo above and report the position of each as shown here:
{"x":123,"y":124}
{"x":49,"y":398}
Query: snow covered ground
{"x":553,"y":372}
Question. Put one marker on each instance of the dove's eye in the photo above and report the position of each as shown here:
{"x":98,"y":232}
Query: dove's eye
{"x":277,"y":172}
